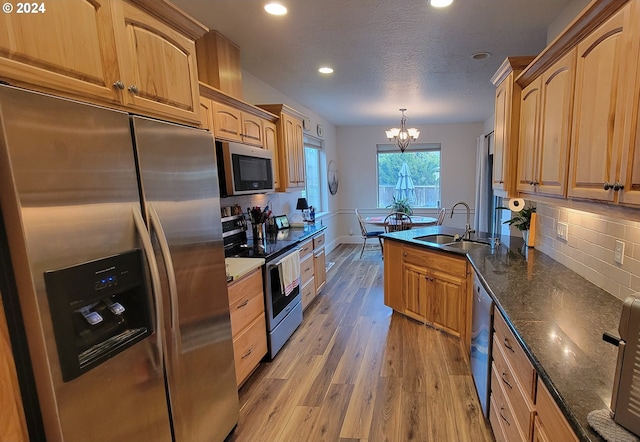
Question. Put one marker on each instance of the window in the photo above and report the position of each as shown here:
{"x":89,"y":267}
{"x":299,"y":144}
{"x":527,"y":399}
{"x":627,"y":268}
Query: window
{"x":314,"y":161}
{"x":414,"y":175}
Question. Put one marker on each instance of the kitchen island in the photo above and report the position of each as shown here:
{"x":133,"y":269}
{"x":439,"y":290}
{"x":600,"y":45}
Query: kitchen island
{"x":557,"y":316}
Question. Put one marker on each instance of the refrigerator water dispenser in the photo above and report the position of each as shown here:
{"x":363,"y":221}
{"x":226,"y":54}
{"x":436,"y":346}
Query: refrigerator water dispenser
{"x":98,"y":309}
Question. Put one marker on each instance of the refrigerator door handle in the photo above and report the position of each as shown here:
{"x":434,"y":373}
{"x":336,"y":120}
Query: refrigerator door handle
{"x":155,"y":224}
{"x":147,"y":247}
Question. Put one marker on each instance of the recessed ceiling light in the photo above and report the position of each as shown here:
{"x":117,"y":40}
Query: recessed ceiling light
{"x":440,"y":3}
{"x":325,"y":70}
{"x":275,"y":8}
{"x":481,"y":55}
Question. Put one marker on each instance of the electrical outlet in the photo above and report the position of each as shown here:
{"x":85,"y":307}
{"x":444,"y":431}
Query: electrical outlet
{"x":562,"y":230}
{"x":618,"y":253}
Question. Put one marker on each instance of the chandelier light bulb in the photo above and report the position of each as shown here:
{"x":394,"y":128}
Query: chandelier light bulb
{"x":403,"y":136}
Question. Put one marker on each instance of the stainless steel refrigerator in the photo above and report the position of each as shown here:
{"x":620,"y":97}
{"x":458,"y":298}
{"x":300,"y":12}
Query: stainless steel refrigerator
{"x":115,"y":242}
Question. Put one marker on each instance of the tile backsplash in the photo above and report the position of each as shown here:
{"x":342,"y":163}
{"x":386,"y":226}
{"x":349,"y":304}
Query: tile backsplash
{"x":590,"y":247}
{"x":280,"y":203}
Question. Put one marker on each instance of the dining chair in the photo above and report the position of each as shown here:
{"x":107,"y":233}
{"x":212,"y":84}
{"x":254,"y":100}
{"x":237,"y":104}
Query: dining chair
{"x":367,"y":235}
{"x":441,"y":215}
{"x":396,"y":221}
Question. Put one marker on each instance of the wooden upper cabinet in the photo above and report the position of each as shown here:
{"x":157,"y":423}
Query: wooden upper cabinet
{"x":227,"y":122}
{"x":290,"y":146}
{"x":252,"y":130}
{"x":529,"y":136}
{"x":206,"y":113}
{"x":506,"y":125}
{"x":70,"y":48}
{"x":597,"y":112}
{"x":158,"y":65}
{"x":545,"y":128}
{"x":109,"y":52}
{"x":271,"y":143}
{"x":630,"y":164}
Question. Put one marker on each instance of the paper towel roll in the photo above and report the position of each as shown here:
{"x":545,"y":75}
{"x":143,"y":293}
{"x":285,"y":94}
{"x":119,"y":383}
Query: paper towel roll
{"x":516,"y":204}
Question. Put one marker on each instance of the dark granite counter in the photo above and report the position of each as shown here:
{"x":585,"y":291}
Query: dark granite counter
{"x":557,"y":315}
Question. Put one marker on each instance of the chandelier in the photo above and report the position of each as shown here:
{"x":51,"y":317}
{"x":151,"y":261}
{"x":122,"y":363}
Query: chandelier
{"x":403,"y":136}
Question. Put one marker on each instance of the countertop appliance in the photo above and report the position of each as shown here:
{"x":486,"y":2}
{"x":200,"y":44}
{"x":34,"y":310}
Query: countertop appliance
{"x":283,"y":313}
{"x":625,"y":400}
{"x":481,"y":332}
{"x":113,"y":228}
{"x":244,"y":169}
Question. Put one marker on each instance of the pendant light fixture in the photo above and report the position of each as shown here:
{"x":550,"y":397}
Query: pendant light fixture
{"x":403,"y":136}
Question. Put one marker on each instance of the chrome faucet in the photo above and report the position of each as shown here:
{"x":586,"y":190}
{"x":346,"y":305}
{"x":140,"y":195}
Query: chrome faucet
{"x":467,"y":226}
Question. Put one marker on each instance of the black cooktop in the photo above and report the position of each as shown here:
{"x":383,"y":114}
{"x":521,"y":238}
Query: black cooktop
{"x":274,"y":245}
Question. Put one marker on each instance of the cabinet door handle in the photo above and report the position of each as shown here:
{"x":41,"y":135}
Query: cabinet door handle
{"x":607,"y":186}
{"x":504,"y":379}
{"x":118,"y":85}
{"x":246,"y":355}
{"x":133,"y":89}
{"x":404,"y":253}
{"x":618,"y":186}
{"x":504,"y":418}
{"x":244,"y":304}
{"x":508,"y":345}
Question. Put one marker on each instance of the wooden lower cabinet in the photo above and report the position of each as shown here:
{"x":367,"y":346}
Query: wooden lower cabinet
{"x":313,"y":273}
{"x":550,"y":423}
{"x":430,"y":286}
{"x":248,"y":323}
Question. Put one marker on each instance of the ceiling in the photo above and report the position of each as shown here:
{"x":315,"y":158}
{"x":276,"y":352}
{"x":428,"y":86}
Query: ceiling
{"x":386,"y":54}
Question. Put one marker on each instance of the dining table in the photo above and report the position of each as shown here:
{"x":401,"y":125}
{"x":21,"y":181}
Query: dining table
{"x":415,"y":220}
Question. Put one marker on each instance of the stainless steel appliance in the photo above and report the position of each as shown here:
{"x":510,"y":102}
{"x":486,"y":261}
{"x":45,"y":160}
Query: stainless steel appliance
{"x":284,"y":313}
{"x":625,"y":400}
{"x":481,"y":332}
{"x":115,"y":241}
{"x":244,"y":169}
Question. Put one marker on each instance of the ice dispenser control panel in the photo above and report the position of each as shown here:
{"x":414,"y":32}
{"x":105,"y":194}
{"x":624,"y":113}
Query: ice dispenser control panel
{"x":98,"y":309}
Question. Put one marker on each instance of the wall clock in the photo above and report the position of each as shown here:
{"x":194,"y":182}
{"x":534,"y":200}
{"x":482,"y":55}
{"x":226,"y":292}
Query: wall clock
{"x":332,"y":177}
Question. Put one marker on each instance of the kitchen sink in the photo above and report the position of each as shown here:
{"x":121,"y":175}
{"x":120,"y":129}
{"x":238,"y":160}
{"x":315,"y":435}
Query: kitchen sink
{"x":436,"y":238}
{"x":466,"y":245}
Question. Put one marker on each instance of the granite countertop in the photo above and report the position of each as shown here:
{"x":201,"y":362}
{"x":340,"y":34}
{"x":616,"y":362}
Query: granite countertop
{"x":557,"y":315}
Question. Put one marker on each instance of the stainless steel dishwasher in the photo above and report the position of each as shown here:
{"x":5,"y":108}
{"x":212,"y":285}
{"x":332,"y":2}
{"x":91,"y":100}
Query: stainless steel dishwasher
{"x":481,"y":333}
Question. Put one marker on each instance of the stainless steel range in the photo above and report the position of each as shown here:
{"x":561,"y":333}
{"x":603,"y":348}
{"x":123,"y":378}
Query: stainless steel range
{"x":284,"y":313}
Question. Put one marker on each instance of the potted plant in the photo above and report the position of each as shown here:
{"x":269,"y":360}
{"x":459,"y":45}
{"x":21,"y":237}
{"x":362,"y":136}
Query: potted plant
{"x":401,"y":205}
{"x":521,"y":221}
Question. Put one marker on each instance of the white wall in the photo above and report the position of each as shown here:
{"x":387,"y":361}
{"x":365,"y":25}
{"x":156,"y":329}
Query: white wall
{"x":356,"y":148}
{"x":565,"y":17}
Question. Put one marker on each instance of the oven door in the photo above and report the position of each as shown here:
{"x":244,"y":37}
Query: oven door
{"x":278,"y":305}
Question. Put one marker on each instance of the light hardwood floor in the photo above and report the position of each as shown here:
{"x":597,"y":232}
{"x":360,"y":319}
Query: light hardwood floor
{"x":356,"y":371}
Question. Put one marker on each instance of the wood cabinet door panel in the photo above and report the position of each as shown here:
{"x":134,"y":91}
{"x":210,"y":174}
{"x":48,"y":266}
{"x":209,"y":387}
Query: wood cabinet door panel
{"x":447,"y":302}
{"x":555,"y":125}
{"x":249,"y":348}
{"x":271,"y":143}
{"x":319,"y":272}
{"x":529,"y":137}
{"x":551,"y":418}
{"x":227,"y":122}
{"x":593,"y":148}
{"x":70,"y":48}
{"x":252,"y":130}
{"x":415,"y":292}
{"x":502,"y":117}
{"x":159,"y":66}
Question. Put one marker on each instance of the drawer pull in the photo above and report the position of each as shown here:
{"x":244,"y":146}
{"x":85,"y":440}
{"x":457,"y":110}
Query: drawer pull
{"x":307,"y":269}
{"x":508,"y":345}
{"x":244,"y":304}
{"x":504,"y":379}
{"x":504,"y":418}
{"x":246,"y":355}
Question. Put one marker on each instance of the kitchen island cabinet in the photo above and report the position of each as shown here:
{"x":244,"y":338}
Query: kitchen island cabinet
{"x":429,"y":286}
{"x":556,"y":317}
{"x":134,"y":55}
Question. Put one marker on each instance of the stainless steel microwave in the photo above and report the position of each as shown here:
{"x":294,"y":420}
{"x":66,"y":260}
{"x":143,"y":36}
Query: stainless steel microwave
{"x":243,"y":170}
